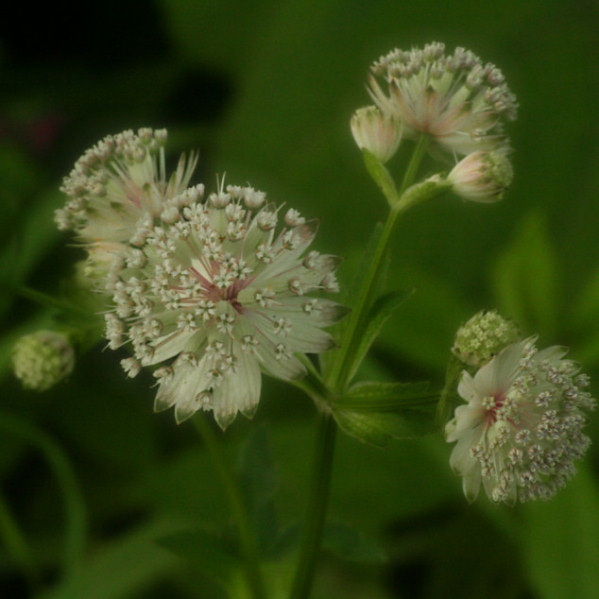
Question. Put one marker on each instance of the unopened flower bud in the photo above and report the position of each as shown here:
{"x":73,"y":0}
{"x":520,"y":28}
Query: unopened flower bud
{"x":483,"y":336}
{"x":481,"y":176}
{"x":42,"y":359}
{"x":378,"y":133}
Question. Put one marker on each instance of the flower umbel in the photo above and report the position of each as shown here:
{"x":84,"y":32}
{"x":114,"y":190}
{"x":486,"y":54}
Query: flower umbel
{"x":483,"y":336}
{"x":42,"y":359}
{"x":214,"y":294}
{"x":456,"y":99}
{"x":116,"y":182}
{"x":521,"y":429}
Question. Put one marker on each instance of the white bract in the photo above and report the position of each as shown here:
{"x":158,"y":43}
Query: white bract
{"x":520,"y":431}
{"x":213,"y":293}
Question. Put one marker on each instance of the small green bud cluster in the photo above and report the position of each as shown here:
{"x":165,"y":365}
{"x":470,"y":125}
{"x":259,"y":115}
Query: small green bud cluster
{"x":42,"y":359}
{"x":483,"y":336}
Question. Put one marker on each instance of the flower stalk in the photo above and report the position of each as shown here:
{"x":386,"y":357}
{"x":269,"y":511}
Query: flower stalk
{"x":337,"y":382}
{"x":338,"y":378}
{"x":247,"y":538}
{"x":317,"y":507}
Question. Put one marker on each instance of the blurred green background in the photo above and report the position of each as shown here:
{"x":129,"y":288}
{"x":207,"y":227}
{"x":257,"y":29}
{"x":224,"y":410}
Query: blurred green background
{"x":264,"y":90}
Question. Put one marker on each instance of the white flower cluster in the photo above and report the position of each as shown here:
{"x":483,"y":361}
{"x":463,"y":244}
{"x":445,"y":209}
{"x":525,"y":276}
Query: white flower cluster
{"x":216,"y":293}
{"x":119,"y":180}
{"x":520,"y":431}
{"x":210,"y":290}
{"x":456,"y":99}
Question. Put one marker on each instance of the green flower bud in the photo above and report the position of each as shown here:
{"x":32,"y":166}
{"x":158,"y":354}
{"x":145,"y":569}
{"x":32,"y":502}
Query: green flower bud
{"x":42,"y":359}
{"x":483,"y":336}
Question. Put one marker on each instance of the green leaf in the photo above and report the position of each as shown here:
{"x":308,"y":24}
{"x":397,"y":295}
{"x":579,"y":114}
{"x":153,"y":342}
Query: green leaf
{"x":377,"y":316}
{"x":585,"y":312}
{"x":422,"y":332}
{"x":206,"y":551}
{"x":258,"y":481}
{"x":584,"y":321}
{"x":373,"y":396}
{"x":425,"y":190}
{"x":526,"y":278}
{"x":349,"y":544}
{"x":120,"y":569}
{"x":30,"y":241}
{"x":378,"y":428}
{"x":381,"y":176}
{"x":560,"y":541}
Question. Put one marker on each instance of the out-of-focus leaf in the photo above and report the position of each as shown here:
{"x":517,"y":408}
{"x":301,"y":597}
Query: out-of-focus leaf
{"x":206,"y":551}
{"x":423,"y":330}
{"x":584,"y":321}
{"x":374,"y":321}
{"x":559,"y":539}
{"x":36,"y":235}
{"x":132,"y":563}
{"x":258,"y":481}
{"x":348,"y":543}
{"x":526,"y":278}
{"x":585,"y":309}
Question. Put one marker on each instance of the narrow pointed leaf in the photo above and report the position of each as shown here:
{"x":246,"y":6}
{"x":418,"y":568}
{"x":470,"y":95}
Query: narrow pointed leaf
{"x":373,"y":396}
{"x":378,"y":315}
{"x":381,"y":176}
{"x":378,"y":428}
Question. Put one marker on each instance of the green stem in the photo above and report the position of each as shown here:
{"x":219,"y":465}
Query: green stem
{"x":338,"y":378}
{"x":414,"y":165}
{"x":75,"y":513}
{"x":317,"y":507}
{"x":247,"y":538}
{"x":337,"y":381}
{"x":16,"y":544}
